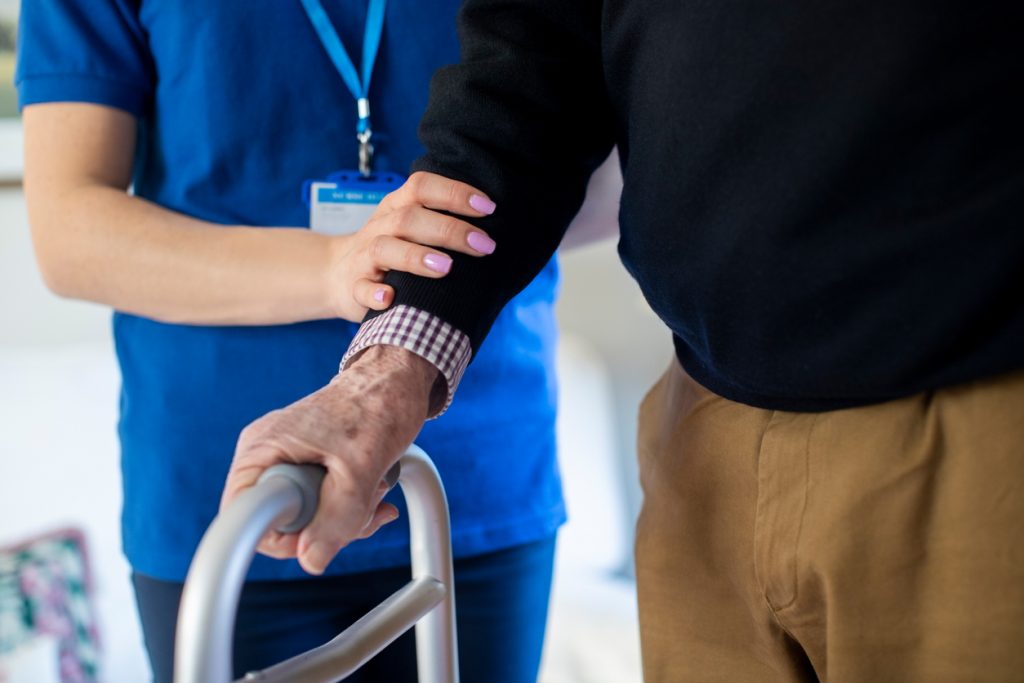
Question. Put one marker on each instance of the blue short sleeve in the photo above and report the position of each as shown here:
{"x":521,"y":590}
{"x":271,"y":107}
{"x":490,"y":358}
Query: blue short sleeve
{"x":83,"y":51}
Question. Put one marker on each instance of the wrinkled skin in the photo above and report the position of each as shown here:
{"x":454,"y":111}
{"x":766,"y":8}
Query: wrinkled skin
{"x":356,"y":427}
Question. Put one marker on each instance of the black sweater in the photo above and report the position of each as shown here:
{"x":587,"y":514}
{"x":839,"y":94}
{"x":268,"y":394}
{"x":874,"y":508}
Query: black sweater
{"x":823,"y":198}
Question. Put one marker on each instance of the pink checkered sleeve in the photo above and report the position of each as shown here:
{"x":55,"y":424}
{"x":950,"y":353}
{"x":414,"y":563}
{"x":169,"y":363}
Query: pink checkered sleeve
{"x":424,"y":334}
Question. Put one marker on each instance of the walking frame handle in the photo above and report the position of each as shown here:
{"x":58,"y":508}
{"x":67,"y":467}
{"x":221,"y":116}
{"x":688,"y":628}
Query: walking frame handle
{"x":286,"y":498}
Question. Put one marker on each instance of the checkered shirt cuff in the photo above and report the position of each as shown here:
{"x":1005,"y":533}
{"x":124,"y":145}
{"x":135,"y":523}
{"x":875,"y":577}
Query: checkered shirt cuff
{"x":426,"y":335}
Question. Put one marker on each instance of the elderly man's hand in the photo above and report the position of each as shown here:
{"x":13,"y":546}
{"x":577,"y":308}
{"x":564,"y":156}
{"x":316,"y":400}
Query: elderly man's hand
{"x":356,"y":427}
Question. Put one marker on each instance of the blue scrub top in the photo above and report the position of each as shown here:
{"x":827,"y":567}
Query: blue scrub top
{"x":238,"y":103}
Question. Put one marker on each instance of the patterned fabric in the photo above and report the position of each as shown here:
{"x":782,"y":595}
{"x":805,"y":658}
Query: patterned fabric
{"x":424,"y":334}
{"x":44,"y":590}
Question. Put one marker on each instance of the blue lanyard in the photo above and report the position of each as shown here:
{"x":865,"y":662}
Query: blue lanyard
{"x":359,"y":87}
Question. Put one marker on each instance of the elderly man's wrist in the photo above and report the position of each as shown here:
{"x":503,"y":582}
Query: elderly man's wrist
{"x":400,"y":359}
{"x":424,"y":334}
{"x":418,"y":378}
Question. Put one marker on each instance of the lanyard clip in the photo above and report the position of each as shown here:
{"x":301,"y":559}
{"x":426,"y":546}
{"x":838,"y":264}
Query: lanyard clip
{"x":363,"y":134}
{"x":365,"y":152}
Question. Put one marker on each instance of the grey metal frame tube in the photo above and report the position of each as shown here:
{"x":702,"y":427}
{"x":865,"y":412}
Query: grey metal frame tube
{"x":431,"y":547}
{"x":286,"y":497}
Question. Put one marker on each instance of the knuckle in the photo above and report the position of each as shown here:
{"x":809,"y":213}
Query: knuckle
{"x":452,"y":192}
{"x":449,"y":229}
{"x":249,"y":434}
{"x":365,"y":298}
{"x":417,"y":184}
{"x":358,"y":293}
{"x":389,"y":200}
{"x":375,"y":225}
{"x":403,"y":219}
{"x":378,"y":248}
{"x":411,"y":256}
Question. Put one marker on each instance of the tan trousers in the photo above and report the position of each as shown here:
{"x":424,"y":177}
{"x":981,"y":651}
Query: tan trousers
{"x":873,"y":544}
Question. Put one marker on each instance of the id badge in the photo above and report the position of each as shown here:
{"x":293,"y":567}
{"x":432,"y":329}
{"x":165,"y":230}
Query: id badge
{"x":343,"y":202}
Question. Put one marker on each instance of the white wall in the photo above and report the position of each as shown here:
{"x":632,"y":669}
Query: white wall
{"x":601,"y":304}
{"x":29,"y":314}
{"x":58,"y":447}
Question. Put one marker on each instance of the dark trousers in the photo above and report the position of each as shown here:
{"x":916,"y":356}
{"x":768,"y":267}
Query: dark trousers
{"x":501,"y":601}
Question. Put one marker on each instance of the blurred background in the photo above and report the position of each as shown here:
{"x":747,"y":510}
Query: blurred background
{"x":60,"y":486}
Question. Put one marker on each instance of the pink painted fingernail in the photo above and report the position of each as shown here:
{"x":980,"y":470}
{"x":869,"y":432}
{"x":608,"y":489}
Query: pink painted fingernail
{"x":482,"y":204}
{"x":481,"y":242}
{"x":378,"y":296}
{"x":439,"y":263}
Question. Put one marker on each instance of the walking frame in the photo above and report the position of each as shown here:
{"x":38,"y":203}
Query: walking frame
{"x":286,"y":498}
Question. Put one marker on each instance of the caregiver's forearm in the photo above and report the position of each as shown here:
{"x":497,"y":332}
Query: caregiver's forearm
{"x":95,"y":241}
{"x":125,"y":252}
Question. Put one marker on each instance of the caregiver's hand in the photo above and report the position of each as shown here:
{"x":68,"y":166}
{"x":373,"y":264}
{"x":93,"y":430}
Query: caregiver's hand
{"x":356,"y":427}
{"x":398,"y":237}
